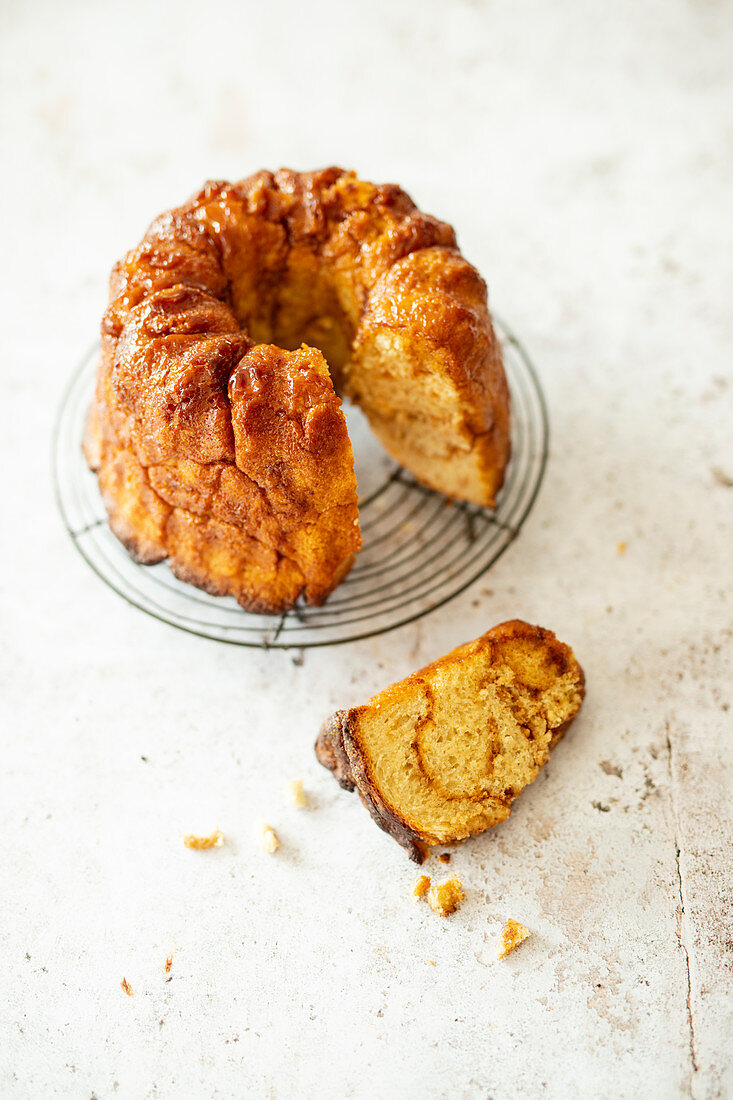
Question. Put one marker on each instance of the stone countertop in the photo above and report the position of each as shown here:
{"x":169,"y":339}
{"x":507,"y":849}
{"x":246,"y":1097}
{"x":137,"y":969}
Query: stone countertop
{"x":583,"y":151}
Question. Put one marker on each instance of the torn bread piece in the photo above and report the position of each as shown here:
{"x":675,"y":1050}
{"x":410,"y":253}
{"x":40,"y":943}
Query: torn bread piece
{"x":512,"y":934}
{"x":445,"y":897}
{"x":441,"y":755}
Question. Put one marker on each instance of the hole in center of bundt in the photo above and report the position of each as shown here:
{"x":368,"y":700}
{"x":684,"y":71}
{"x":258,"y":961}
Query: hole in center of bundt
{"x":300,"y":302}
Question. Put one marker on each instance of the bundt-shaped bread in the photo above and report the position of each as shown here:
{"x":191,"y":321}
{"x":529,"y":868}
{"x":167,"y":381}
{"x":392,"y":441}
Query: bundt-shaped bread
{"x":216,"y":430}
{"x":441,"y":755}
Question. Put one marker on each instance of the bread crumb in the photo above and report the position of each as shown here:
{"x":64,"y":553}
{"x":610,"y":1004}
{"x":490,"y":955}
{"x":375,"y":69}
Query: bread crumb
{"x":621,"y":547}
{"x":444,"y":857}
{"x":297,"y":794}
{"x":513,"y":933}
{"x":268,"y":839}
{"x":168,"y":964}
{"x":445,"y":897}
{"x":127,"y":987}
{"x":199,"y":843}
{"x":421,"y":886}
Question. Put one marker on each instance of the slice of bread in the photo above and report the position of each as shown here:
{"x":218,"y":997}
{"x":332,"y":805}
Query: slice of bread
{"x":441,"y":755}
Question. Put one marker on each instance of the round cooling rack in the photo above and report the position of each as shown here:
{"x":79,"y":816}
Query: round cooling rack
{"x":419,"y":550}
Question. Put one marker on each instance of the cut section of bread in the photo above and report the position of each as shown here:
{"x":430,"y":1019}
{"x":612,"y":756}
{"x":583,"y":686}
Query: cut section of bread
{"x":425,"y":360}
{"x":441,"y":755}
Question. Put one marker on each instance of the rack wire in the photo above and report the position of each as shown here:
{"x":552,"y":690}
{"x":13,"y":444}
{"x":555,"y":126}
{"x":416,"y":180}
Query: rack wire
{"x":419,"y":549}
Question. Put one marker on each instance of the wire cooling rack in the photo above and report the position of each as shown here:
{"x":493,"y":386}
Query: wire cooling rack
{"x":419,"y":550}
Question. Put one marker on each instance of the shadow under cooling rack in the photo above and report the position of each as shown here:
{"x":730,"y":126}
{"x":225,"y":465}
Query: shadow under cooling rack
{"x":419,"y":550}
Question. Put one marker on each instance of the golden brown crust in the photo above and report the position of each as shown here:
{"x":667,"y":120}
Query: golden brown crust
{"x":330,"y":750}
{"x":226,"y":453}
{"x":558,"y":655}
{"x":340,"y":747}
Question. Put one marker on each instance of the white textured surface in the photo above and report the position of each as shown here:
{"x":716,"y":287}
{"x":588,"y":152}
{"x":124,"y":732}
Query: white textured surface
{"x":583,"y":151}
